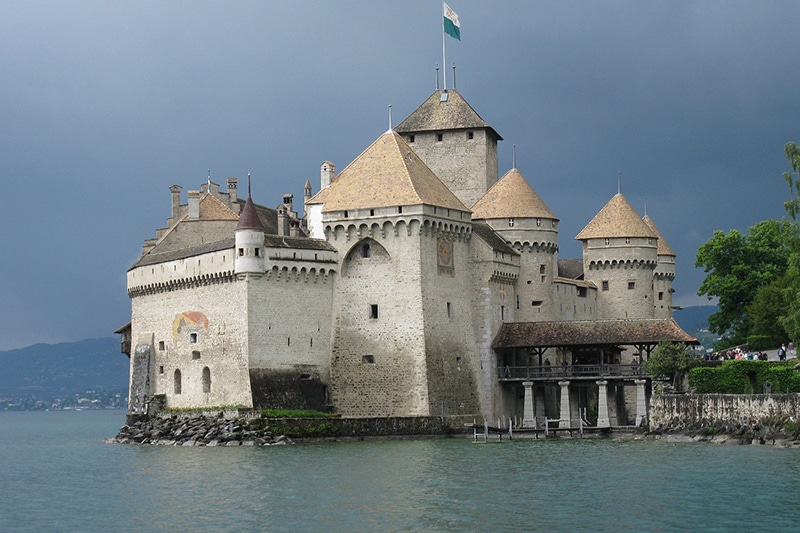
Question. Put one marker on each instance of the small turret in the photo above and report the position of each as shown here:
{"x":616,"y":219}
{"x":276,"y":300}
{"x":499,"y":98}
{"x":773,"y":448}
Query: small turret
{"x":249,"y":260}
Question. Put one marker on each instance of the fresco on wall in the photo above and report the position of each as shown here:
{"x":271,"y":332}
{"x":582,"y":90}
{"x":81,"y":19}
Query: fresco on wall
{"x":188,"y":319}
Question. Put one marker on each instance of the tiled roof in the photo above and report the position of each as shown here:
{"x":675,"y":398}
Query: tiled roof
{"x":386,"y":174}
{"x":435,"y":114}
{"x":616,"y":219}
{"x":248,"y":218}
{"x":152,"y":258}
{"x":570,"y":268}
{"x":663,"y":247}
{"x":297,"y":243}
{"x":511,"y":197}
{"x":590,"y":333}
{"x":490,"y":237}
{"x":212,"y":208}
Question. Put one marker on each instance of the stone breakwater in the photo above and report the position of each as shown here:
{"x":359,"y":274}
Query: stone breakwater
{"x":198,"y":430}
{"x":251,"y":428}
{"x":727,"y":418}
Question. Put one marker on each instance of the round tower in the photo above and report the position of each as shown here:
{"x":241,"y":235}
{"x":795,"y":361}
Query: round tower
{"x":514,"y":210}
{"x":663,"y":275}
{"x":249,"y":233}
{"x":619,"y":257}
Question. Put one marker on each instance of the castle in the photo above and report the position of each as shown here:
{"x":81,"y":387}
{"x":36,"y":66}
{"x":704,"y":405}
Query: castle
{"x":414,"y":283}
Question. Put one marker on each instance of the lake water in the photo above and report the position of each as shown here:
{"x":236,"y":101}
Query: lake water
{"x":58,"y":475}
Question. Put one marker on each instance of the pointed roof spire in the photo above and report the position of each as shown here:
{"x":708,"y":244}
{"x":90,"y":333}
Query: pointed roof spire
{"x":248,"y":218}
{"x":444,"y":113}
{"x":511,"y":197}
{"x":616,"y":219}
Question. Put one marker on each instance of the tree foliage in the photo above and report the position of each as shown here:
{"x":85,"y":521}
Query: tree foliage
{"x":791,"y":292}
{"x":765,"y":314}
{"x":667,"y":359}
{"x":737,"y":266}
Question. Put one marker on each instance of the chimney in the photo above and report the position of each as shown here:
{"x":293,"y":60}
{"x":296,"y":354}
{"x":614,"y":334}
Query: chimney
{"x":194,"y":205}
{"x":326,"y":172}
{"x":233,"y":184}
{"x":283,"y":221}
{"x":175,"y":190}
{"x":288,"y":200}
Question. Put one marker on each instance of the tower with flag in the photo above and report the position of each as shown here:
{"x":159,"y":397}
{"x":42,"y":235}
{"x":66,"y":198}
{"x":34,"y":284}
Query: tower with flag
{"x":450,"y":26}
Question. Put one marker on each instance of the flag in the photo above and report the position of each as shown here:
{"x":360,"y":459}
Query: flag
{"x":451,"y":25}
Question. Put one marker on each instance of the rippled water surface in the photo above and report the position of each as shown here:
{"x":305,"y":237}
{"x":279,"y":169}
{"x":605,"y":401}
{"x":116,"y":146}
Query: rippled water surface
{"x":57,"y":475}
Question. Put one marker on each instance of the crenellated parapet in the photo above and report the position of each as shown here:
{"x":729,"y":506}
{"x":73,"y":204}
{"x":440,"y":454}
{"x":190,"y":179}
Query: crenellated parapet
{"x":410,"y":226}
{"x":549,"y":247}
{"x":299,"y":275}
{"x":176,"y":284}
{"x":624,"y":264}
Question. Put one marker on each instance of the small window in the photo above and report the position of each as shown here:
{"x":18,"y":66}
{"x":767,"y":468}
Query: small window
{"x":470,"y":135}
{"x":161,"y":345}
{"x":544,"y":279}
{"x":458,"y":360}
{"x":365,"y":250}
{"x":660,"y":295}
{"x":510,"y":222}
{"x":502,"y":312}
{"x":206,"y":380}
{"x":517,"y":301}
{"x":400,"y":209}
{"x":257,"y":252}
{"x":536,"y":303}
{"x":368,"y":359}
{"x":448,"y":309}
{"x":541,"y":269}
{"x":161,"y":369}
{"x":631,"y":285}
{"x":195,"y":355}
{"x":538,"y":221}
{"x":373,"y":311}
{"x":288,"y":341}
{"x":605,"y":284}
{"x":241,"y":252}
{"x":581,"y":292}
{"x":193,"y":338}
{"x":608,"y":241}
{"x":439,"y":137}
{"x":345,"y":214}
{"x":411,"y":138}
{"x":176,"y":382}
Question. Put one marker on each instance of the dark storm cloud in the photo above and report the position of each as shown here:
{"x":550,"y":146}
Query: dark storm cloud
{"x":104,"y":105}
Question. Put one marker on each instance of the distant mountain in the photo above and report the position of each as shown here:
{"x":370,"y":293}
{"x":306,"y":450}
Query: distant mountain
{"x":47,"y":371}
{"x":694,"y":318}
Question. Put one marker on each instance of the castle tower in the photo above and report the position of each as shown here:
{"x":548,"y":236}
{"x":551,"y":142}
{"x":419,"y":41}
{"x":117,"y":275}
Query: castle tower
{"x":402,"y":337}
{"x":249,"y":234}
{"x":455,"y":143}
{"x":663,"y":275}
{"x":514,"y":210}
{"x":619,"y":257}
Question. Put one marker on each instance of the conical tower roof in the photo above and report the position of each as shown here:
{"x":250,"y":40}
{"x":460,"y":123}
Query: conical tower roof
{"x":616,"y":219}
{"x":444,"y":110}
{"x":511,"y":197}
{"x":248,"y":218}
{"x":663,"y":247}
{"x":388,"y":173}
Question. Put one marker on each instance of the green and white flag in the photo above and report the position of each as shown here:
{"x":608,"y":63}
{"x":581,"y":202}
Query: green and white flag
{"x":451,"y":25}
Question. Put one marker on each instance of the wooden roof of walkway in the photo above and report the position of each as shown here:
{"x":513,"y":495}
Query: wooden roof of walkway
{"x":633,"y":332}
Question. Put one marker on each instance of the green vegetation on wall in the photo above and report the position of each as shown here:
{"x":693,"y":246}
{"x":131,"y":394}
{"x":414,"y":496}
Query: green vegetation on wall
{"x":745,"y":377}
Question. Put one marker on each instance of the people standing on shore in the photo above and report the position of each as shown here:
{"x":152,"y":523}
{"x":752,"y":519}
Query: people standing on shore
{"x":792,"y":351}
{"x":782,"y":353}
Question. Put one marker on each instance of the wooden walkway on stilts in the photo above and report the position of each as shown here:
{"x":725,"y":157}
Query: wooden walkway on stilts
{"x":483,"y":432}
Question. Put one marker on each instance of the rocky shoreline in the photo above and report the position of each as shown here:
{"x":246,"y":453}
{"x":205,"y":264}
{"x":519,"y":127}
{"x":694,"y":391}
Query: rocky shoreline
{"x":198,"y":430}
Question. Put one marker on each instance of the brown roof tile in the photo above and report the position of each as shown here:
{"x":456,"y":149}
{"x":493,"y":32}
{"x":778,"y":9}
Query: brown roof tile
{"x":388,"y":173}
{"x":212,"y":208}
{"x":434,"y":114}
{"x":663,"y":247}
{"x":616,"y":219}
{"x":511,"y":197}
{"x":590,"y":333}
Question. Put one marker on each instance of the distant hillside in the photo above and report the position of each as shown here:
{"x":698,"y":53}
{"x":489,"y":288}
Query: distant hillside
{"x":695,"y":317}
{"x":53,"y":370}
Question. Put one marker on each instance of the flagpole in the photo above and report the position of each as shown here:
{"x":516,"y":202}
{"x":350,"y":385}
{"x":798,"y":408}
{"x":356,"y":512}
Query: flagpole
{"x":444,"y":52}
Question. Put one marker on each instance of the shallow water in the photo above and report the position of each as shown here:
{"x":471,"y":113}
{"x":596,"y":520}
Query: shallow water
{"x":58,"y":475}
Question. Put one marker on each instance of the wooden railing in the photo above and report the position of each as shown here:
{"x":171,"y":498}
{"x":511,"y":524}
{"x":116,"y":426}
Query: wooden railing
{"x":569,"y":371}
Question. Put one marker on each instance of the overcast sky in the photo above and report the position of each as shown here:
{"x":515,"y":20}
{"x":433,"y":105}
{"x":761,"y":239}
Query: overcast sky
{"x":104,"y":105}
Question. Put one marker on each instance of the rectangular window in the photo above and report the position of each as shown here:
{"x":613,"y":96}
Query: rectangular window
{"x":161,"y":370}
{"x":448,"y":309}
{"x":581,"y":292}
{"x":470,"y":135}
{"x":368,"y":359}
{"x":411,"y":139}
{"x":439,"y":137}
{"x":605,"y":284}
{"x":627,"y":240}
{"x":193,"y":338}
{"x":373,"y":311}
{"x":538,"y":221}
{"x":631,"y":285}
{"x":195,"y":355}
{"x":541,"y":269}
{"x":257,"y":251}
{"x":608,"y":241}
{"x":660,"y":295}
{"x":502,"y":312}
{"x":241,"y":252}
{"x":161,"y":345}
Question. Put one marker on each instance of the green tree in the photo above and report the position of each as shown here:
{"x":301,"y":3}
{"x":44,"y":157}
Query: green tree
{"x":791,"y":293}
{"x":668,"y":360}
{"x":737,"y":265}
{"x":765,"y":315}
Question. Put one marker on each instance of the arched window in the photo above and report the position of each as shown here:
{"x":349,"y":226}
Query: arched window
{"x":176,"y":385}
{"x":206,"y":379}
